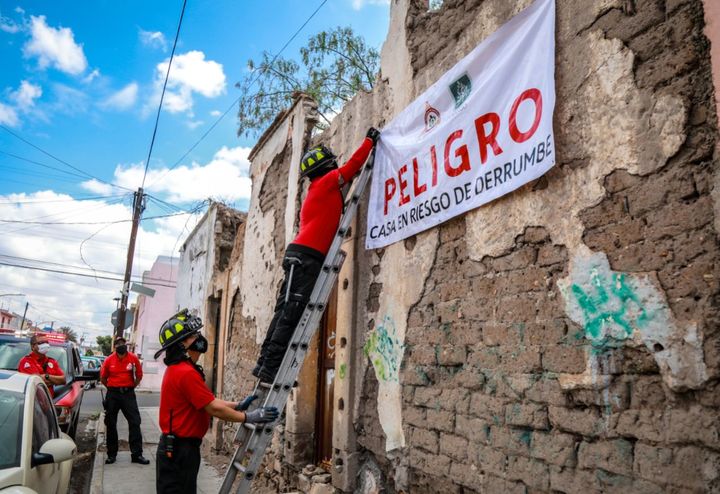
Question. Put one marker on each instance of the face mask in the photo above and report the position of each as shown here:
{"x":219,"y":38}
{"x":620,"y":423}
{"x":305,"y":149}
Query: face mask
{"x":44,"y":348}
{"x":121,"y":349}
{"x":200,"y":345}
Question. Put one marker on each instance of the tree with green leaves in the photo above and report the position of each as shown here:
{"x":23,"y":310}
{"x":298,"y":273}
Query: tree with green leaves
{"x":105,"y":344}
{"x":69,"y":333}
{"x":89,"y":353}
{"x":333,"y":67}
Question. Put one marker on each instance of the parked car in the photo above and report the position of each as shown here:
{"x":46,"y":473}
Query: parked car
{"x":91,"y":363}
{"x":68,"y":396}
{"x":35,"y":457}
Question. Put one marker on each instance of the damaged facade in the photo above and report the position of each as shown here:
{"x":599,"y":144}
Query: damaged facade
{"x":562,"y":338}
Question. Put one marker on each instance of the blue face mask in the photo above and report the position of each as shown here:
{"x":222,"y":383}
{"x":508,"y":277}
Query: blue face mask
{"x":200,"y":345}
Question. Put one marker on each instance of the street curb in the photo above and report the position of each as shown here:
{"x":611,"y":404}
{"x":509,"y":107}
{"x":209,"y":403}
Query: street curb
{"x":96,"y":484}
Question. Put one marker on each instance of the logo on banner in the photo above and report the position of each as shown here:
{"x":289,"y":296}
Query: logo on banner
{"x":461,"y":89}
{"x":432,"y":117}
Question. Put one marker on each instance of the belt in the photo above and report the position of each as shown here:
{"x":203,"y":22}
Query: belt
{"x":188,"y":441}
{"x":121,"y":389}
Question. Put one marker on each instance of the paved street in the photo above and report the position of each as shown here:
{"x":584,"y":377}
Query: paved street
{"x":91,"y":404}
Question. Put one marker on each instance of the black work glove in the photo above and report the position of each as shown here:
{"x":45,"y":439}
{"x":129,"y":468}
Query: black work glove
{"x":261,"y":415}
{"x":373,"y":134}
{"x":245,"y":404}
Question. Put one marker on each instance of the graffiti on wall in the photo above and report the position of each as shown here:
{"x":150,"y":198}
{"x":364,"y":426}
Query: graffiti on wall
{"x":616,"y":309}
{"x":385,"y":351}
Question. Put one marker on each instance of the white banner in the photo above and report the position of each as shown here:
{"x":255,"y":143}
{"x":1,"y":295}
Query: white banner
{"x":483,"y":130}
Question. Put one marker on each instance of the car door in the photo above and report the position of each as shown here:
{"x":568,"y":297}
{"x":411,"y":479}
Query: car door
{"x":43,"y":479}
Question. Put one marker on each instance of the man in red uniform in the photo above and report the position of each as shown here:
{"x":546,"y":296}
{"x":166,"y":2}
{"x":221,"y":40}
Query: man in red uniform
{"x":37,"y":362}
{"x":319,"y":219}
{"x":186,"y":405}
{"x":121,"y":373}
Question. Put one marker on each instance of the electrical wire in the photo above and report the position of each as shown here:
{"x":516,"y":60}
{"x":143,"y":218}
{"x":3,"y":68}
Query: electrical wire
{"x":48,"y":270}
{"x":94,"y":222}
{"x":232,"y":105}
{"x":162,"y":95}
{"x":46,"y":153}
{"x":42,"y":164}
{"x":74,"y":199}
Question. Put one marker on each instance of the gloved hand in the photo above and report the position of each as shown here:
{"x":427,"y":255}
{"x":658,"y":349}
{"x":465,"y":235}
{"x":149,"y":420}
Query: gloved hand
{"x":245,"y":404}
{"x":261,"y":415}
{"x":373,"y":134}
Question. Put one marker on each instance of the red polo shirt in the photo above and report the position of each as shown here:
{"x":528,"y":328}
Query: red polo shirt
{"x":119,"y":370}
{"x":321,"y":210}
{"x":41,"y":365}
{"x":185,"y":395}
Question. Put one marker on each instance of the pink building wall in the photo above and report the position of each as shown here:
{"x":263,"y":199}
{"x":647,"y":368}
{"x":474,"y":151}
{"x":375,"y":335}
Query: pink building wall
{"x":151,"y":313}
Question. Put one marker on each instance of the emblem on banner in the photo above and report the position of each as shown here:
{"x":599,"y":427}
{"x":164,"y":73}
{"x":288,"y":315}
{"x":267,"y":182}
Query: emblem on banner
{"x":461,"y":89}
{"x":432,"y":117}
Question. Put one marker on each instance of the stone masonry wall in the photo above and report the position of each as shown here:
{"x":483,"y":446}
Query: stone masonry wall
{"x":566,"y":337}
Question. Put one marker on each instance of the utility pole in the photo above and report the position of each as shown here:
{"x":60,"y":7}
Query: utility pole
{"x":138,"y":208}
{"x":22,"y":323}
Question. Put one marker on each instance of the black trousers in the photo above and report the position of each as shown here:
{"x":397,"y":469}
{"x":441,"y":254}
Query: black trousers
{"x":117,"y":401}
{"x":177,"y":475}
{"x":287,"y":314}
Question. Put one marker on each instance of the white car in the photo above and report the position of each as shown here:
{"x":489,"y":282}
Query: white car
{"x":35,"y":456}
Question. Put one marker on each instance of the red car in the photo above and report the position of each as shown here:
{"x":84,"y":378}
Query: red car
{"x":68,"y":396}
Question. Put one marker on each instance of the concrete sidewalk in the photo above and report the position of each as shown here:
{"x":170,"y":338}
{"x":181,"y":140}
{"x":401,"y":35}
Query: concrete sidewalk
{"x":123,"y":477}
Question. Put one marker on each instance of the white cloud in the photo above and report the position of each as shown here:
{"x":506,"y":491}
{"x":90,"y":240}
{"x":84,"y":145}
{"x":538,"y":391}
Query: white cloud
{"x":123,"y":99}
{"x":91,"y":76}
{"x":215,"y":113}
{"x":8,"y":116}
{"x":54,"y":47}
{"x":190,"y":73}
{"x":82,"y":303}
{"x":359,"y":4}
{"x":225,"y":177}
{"x":153,"y":39}
{"x":8,"y":25}
{"x":26,"y":95}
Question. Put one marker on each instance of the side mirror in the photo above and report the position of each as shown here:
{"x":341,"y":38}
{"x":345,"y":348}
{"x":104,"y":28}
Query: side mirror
{"x":54,"y":451}
{"x":89,"y":375}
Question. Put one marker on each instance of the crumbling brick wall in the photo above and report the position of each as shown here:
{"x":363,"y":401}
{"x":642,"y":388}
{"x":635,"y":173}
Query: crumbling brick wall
{"x":505,"y":385}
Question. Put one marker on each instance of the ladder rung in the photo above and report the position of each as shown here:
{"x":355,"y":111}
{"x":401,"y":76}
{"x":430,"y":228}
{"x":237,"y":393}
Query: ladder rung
{"x":252,"y":427}
{"x":265,"y":385}
{"x":239,"y":466}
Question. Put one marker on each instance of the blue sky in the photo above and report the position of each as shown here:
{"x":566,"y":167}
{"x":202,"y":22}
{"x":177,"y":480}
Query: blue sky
{"x":80,"y":80}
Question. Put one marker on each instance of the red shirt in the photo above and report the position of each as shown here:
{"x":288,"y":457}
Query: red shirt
{"x":320,"y":212}
{"x":119,"y":370}
{"x":185,"y":394}
{"x":41,"y":365}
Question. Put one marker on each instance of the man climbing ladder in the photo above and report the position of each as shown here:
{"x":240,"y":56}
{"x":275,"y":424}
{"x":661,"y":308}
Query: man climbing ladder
{"x":319,"y":219}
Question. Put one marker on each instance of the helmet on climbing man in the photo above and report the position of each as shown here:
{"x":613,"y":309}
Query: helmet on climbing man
{"x":317,"y":161}
{"x":179,"y":327}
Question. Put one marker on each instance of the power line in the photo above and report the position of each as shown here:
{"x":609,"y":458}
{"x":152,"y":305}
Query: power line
{"x":162,"y":95}
{"x":95,"y":222}
{"x":73,"y":199}
{"x":58,"y":159}
{"x":48,"y":270}
{"x":41,"y":164}
{"x":224,"y":114}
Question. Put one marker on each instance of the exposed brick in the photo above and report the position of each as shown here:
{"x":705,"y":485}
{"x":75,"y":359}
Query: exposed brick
{"x":455,"y":447}
{"x":693,"y":424}
{"x":474,"y":429}
{"x":687,"y":466}
{"x":547,"y":390}
{"x":467,"y":474}
{"x":440,"y":420}
{"x":586,"y":422}
{"x":515,"y":260}
{"x":565,"y":359}
{"x":422,"y":355}
{"x":490,"y":460}
{"x":531,"y":472}
{"x":470,"y":378}
{"x":457,"y":400}
{"x":425,"y":439}
{"x":551,"y":254}
{"x":414,"y":416}
{"x":427,"y":396}
{"x":496,"y":484}
{"x":614,"y":456}
{"x":530,"y":415}
{"x":535,"y":234}
{"x":571,"y":481}
{"x":555,"y":448}
{"x":487,"y":407}
{"x":646,"y":425}
{"x":451,"y":355}
{"x":431,"y":463}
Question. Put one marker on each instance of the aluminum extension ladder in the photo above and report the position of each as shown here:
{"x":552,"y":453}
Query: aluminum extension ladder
{"x":252,"y":439}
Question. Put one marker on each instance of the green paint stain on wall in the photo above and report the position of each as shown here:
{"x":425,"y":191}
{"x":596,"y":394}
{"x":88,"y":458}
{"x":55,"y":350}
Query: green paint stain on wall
{"x":343,"y":371}
{"x":385,"y":351}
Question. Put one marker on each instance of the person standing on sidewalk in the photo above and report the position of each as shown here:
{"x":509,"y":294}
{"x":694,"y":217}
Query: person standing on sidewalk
{"x":121,"y":373}
{"x":37,"y":362}
{"x":186,"y":405}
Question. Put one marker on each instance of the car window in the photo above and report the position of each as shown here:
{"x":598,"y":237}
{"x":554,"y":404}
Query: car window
{"x":11,"y":417}
{"x":44,"y":421}
{"x":60,"y":354}
{"x":11,"y":351}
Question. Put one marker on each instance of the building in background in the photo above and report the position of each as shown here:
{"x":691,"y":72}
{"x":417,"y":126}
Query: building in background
{"x":149,"y":314}
{"x":6,"y":318}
